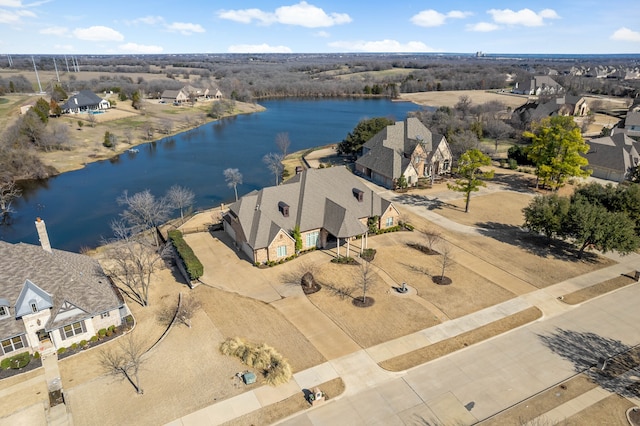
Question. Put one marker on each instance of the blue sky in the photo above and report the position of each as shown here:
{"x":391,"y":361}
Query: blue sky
{"x":318,"y":26}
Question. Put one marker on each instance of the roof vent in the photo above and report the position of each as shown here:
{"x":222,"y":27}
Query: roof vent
{"x":284,"y":208}
{"x":359,"y":194}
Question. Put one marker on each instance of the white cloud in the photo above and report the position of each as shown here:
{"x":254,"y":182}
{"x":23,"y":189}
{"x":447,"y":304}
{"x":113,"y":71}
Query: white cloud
{"x":322,"y":34}
{"x":381,"y":46}
{"x":483,"y":27}
{"x":140,"y":48}
{"x":98,"y":33}
{"x":185,"y":28}
{"x":302,"y":14}
{"x":258,"y":48}
{"x":523,"y":17}
{"x":57,"y":31}
{"x":13,"y":17}
{"x":433,"y":18}
{"x":148,"y":20}
{"x":625,"y":34}
{"x":11,"y":3}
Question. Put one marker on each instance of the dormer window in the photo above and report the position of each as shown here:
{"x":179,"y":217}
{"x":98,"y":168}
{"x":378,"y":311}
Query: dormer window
{"x":34,"y":306}
{"x":359,"y":194}
{"x":284,"y":208}
{"x":4,"y":311}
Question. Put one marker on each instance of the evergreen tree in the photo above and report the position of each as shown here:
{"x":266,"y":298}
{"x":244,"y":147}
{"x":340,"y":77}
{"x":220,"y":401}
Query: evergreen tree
{"x":471,"y":178}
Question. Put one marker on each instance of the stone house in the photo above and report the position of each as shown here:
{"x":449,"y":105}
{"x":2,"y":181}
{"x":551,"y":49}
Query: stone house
{"x":532,"y":111}
{"x":52,"y":298}
{"x":406,"y":148}
{"x":175,"y":96}
{"x":537,"y":85}
{"x":330,"y":206}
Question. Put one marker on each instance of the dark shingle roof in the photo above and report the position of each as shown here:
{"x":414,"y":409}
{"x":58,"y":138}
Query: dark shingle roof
{"x":616,"y":152}
{"x":82,"y":99}
{"x":71,"y":277}
{"x":317,"y":198}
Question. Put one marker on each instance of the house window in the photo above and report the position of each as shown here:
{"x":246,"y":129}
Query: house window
{"x":389,"y":222}
{"x":312,"y":239}
{"x":445,"y":166}
{"x":34,"y":307}
{"x":281,"y":251}
{"x":12,"y":344}
{"x":73,"y":329}
{"x":4,"y":311}
{"x":104,"y":315}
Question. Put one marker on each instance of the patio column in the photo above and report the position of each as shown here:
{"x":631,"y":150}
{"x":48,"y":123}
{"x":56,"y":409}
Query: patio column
{"x":348,"y":247}
{"x":338,"y":246}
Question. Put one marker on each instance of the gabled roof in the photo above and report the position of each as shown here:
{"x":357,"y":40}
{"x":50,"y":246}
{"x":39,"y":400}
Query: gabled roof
{"x":616,"y":152}
{"x":317,"y":198}
{"x":632,"y":119}
{"x":83,"y":98}
{"x":31,"y":291}
{"x":388,"y":152}
{"x":67,"y":277}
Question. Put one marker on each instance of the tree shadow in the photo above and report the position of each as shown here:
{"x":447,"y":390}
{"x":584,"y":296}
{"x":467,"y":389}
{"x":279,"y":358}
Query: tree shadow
{"x":423,"y":201}
{"x":538,"y":245}
{"x":608,"y":362}
{"x":515,"y":182}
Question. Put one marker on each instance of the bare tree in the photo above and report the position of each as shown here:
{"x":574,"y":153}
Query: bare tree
{"x":233,"y":177}
{"x":143,"y":212}
{"x":147,"y":130}
{"x":125,"y":362}
{"x":131,"y":263}
{"x":431,"y":238}
{"x":366,"y":279}
{"x":128,"y":135}
{"x":274,"y":164}
{"x":166,"y":126}
{"x":446,"y":259}
{"x":91,"y":118}
{"x":180,"y":198}
{"x":188,"y":308}
{"x":497,"y":129}
{"x":8,"y":193}
{"x":283,"y":142}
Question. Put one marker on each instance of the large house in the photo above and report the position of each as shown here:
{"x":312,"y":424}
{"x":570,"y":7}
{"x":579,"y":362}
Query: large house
{"x":84,"y":101}
{"x":52,"y":298}
{"x":406,"y":148}
{"x":189,"y":92}
{"x":537,"y":85}
{"x":563,"y":105}
{"x":613,"y":157}
{"x":326,"y":204}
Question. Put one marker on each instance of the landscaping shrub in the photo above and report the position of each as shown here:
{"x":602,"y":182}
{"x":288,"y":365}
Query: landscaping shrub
{"x":83,"y":343}
{"x":62,"y":350}
{"x":513,"y":164}
{"x":109,"y":333}
{"x":368,"y":254}
{"x":102,"y":332}
{"x":112,"y":328}
{"x":275,"y":369}
{"x":16,"y":362}
{"x":93,"y":339}
{"x":36,"y":355}
{"x":74,"y":346}
{"x":344,"y":260}
{"x":194,"y":267}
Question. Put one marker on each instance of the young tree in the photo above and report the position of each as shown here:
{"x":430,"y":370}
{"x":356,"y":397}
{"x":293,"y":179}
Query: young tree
{"x":233,"y":177}
{"x":273,"y":162}
{"x":297,"y":236}
{"x":470,"y":176}
{"x":546,"y":214}
{"x":125,"y":362}
{"x":283,"y":142}
{"x":188,"y":308}
{"x":180,"y":198}
{"x":555,"y":151}
{"x":446,"y":259}
{"x":143,"y":212}
{"x":497,"y":129}
{"x":366,"y":279}
{"x":55,"y":108}
{"x":41,"y":108}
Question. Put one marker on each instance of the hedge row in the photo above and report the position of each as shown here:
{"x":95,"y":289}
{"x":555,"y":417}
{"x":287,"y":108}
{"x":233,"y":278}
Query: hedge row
{"x":191,"y":262}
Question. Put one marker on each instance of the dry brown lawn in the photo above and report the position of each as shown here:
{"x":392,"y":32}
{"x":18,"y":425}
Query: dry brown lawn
{"x":445,"y":347}
{"x":294,"y":404}
{"x":469,"y":291}
{"x":186,"y":371}
{"x":610,"y":411}
{"x":390,"y":317}
{"x":543,"y":402}
{"x":482,"y":209}
{"x":450,"y":98}
{"x":598,"y":289}
{"x":23,"y":396}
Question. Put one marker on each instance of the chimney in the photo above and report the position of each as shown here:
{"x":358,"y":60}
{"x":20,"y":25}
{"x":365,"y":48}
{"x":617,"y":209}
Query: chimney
{"x":284,"y":208}
{"x":42,"y":235}
{"x":359,"y":194}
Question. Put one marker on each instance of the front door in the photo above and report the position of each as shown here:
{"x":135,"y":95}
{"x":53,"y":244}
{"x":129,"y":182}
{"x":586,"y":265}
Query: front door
{"x":43,"y":336}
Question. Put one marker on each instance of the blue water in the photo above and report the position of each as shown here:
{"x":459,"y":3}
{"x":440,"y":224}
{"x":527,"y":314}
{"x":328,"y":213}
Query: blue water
{"x":79,"y":206}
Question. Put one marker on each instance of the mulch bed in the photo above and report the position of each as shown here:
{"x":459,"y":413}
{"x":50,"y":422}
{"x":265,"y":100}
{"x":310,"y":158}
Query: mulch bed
{"x":359,"y":303}
{"x":634,"y":416}
{"x":440,"y":280}
{"x":33,"y":364}
{"x":423,"y":249}
{"x":310,"y":290}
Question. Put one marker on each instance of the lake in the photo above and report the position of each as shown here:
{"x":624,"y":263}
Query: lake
{"x":79,"y":206}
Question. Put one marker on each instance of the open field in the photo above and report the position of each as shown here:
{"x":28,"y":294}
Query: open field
{"x":450,"y":98}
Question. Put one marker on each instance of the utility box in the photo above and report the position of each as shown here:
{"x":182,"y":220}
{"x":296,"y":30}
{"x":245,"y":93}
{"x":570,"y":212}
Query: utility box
{"x":248,"y":378}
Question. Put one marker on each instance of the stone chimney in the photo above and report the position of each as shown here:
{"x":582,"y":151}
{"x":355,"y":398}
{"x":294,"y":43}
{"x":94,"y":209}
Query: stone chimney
{"x":42,"y":235}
